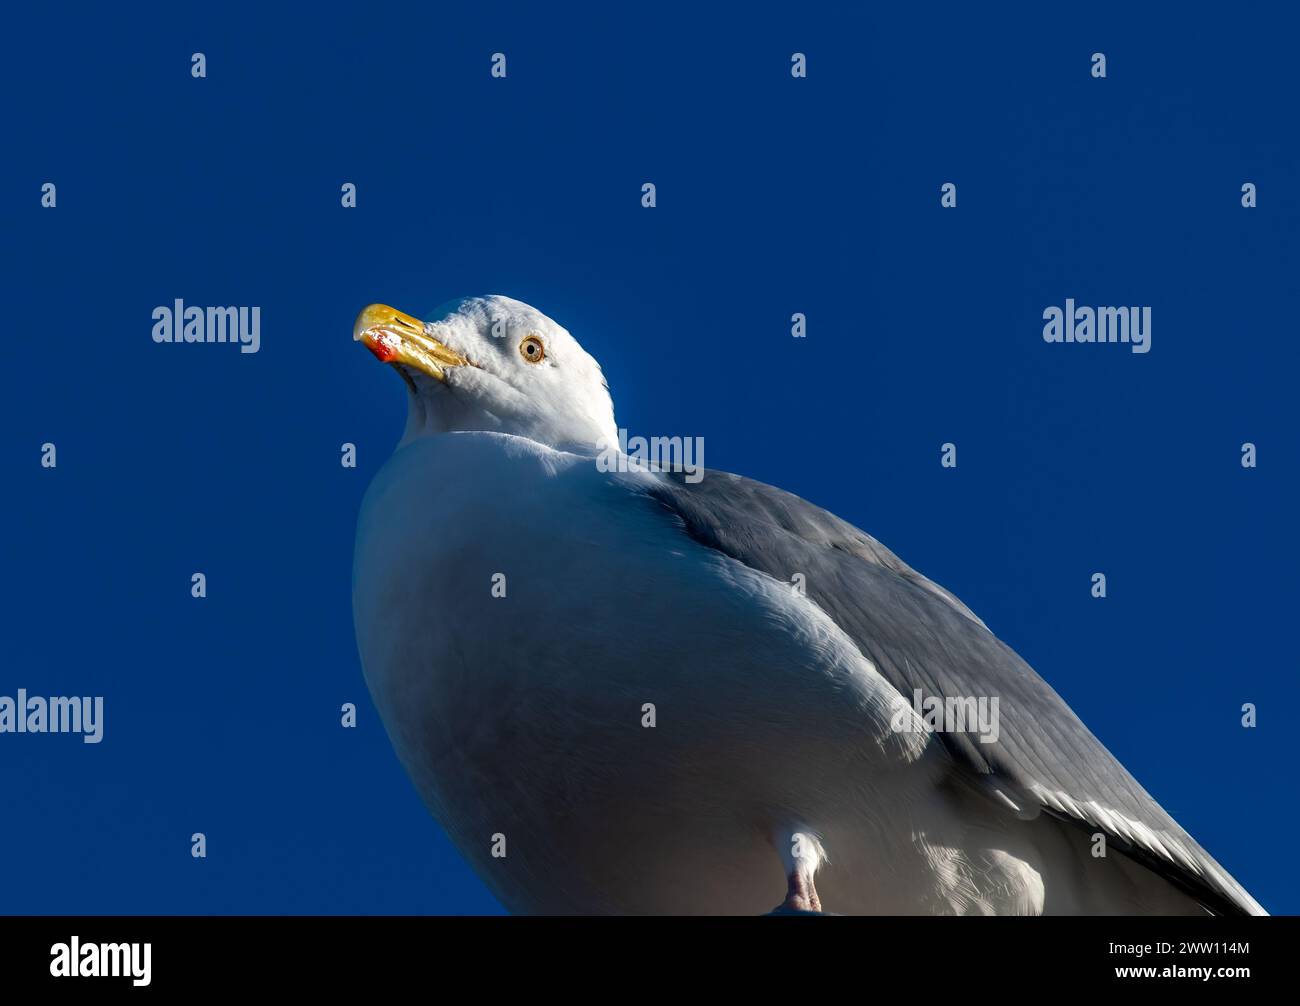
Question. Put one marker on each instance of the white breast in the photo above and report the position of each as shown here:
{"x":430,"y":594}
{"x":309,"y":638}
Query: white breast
{"x":522,"y":716}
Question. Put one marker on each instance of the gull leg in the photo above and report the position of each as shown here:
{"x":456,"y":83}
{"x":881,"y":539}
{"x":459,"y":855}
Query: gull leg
{"x":802,"y":854}
{"x":800,"y":895}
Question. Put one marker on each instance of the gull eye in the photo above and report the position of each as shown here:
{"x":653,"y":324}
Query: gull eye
{"x":532,"y":350}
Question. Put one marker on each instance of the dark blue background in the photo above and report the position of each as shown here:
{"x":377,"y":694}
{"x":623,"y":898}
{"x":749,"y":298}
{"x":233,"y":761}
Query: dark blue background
{"x":776,"y":195}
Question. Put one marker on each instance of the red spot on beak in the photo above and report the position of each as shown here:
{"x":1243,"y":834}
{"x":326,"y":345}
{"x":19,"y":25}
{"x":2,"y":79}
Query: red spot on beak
{"x":382,"y":346}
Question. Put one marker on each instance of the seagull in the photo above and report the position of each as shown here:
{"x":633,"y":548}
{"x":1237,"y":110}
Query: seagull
{"x":622,"y":691}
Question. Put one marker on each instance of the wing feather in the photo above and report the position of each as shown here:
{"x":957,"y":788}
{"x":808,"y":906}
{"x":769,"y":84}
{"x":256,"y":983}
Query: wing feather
{"x":919,"y":635}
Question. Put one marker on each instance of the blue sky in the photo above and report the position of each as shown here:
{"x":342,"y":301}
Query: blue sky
{"x":775,"y":196}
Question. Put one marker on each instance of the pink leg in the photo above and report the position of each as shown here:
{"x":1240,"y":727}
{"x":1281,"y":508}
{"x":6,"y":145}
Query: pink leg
{"x":801,"y":894}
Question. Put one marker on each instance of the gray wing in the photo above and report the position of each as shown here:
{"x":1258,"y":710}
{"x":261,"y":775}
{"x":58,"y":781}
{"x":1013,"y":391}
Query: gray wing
{"x":919,"y":635}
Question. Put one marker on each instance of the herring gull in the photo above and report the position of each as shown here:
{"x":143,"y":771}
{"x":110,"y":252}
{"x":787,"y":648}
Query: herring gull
{"x":609,"y":694}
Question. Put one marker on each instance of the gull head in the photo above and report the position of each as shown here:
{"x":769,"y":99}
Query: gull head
{"x":493,"y":364}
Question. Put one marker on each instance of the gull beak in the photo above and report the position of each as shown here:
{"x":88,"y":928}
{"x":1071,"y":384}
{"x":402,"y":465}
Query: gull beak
{"x":395,"y":337}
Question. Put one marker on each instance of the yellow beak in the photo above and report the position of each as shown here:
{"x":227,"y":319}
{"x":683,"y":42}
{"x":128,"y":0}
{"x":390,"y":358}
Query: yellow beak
{"x":395,"y":337}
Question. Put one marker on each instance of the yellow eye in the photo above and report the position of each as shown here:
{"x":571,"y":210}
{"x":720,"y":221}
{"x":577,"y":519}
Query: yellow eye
{"x":532,"y":350}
